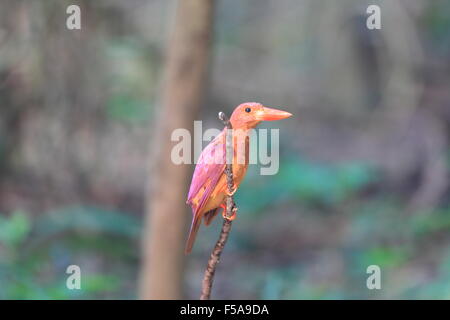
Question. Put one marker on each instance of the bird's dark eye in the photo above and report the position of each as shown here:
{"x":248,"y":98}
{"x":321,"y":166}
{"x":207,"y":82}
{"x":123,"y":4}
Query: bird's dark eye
{"x":248,"y":110}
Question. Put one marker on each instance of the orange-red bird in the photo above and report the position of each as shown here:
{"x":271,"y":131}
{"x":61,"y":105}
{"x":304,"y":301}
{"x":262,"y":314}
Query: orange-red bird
{"x":209,"y":189}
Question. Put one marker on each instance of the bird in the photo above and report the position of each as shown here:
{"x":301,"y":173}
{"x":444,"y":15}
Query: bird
{"x":209,"y":189}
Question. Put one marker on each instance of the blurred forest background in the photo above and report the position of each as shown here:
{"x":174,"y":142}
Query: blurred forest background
{"x":364,"y":166}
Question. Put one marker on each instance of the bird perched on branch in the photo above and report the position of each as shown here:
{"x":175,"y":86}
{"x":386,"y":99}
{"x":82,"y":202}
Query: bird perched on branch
{"x":208,"y":191}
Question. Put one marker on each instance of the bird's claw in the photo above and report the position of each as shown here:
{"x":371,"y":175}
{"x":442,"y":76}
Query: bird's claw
{"x":233,"y":191}
{"x":232,"y":217}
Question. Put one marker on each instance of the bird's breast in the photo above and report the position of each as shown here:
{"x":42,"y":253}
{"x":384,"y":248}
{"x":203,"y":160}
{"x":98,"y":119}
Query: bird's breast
{"x":240,"y":165}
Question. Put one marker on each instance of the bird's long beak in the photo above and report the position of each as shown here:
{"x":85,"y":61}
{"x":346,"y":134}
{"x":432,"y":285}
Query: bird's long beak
{"x":269,"y":114}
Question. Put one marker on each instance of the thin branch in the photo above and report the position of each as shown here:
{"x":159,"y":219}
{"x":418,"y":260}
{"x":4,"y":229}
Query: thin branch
{"x":214,"y":259}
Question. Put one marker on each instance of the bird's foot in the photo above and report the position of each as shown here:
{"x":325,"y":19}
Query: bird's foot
{"x":224,"y":212}
{"x":226,"y":217}
{"x":233,"y":191}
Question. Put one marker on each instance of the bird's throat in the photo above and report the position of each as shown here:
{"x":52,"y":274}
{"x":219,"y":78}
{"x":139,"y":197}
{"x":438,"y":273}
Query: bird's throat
{"x":241,"y":143}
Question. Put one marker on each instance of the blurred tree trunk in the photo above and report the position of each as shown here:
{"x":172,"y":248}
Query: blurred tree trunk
{"x":166,"y":217}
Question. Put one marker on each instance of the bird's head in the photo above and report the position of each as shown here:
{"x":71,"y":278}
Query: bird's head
{"x":248,"y":115}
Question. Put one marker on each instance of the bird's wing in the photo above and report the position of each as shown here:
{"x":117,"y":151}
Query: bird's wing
{"x":208,"y":170}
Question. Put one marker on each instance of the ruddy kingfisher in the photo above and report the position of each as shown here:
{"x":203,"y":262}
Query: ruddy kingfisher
{"x":209,"y":189}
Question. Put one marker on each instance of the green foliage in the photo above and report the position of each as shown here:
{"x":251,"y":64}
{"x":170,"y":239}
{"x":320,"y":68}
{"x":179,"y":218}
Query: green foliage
{"x":305,"y":182}
{"x":126,"y":108}
{"x":411,"y":248}
{"x":385,"y":257}
{"x":328,"y":185}
{"x":430,"y":222}
{"x":13,"y":230}
{"x":130,"y":82}
{"x":437,"y":24}
{"x":87,"y":219}
{"x":34,"y":253}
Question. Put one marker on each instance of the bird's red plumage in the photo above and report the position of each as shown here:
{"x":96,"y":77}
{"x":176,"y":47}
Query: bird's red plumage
{"x":208,"y":188}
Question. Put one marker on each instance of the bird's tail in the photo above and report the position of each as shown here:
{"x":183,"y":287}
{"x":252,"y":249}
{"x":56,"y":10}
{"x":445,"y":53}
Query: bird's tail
{"x":196,"y":221}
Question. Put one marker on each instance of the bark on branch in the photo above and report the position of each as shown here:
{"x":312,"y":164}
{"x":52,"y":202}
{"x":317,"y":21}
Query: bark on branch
{"x":214,"y":259}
